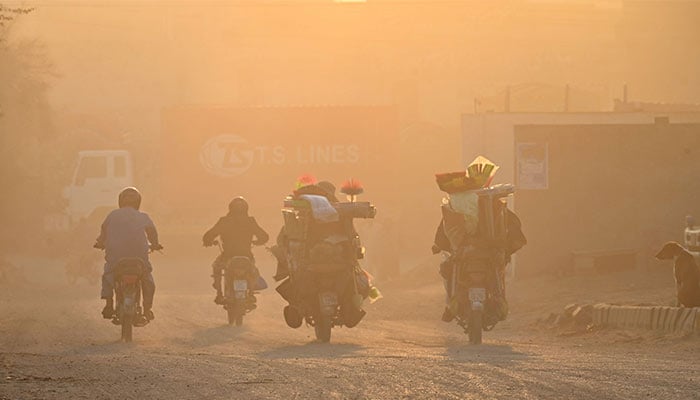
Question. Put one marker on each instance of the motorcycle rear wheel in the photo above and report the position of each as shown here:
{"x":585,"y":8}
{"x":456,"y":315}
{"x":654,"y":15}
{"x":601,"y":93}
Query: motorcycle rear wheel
{"x":127,"y":321}
{"x":476,"y":320}
{"x":235,"y":317}
{"x":323,"y":329}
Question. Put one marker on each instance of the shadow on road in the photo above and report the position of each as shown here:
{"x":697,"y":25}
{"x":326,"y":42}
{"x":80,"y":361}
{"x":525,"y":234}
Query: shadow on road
{"x":460,"y":351}
{"x":312,"y":350}
{"x":113,"y":346}
{"x":214,"y":336}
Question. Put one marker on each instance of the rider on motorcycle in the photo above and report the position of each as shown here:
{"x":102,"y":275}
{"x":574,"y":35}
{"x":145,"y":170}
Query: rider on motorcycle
{"x":127,"y":233}
{"x":515,"y":240}
{"x":319,"y":233}
{"x":236,"y":230}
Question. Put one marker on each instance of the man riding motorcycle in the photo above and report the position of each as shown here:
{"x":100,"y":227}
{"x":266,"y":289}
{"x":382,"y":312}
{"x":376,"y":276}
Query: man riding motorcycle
{"x":341,"y":233}
{"x":515,"y":239}
{"x":127,"y":233}
{"x":236,"y":230}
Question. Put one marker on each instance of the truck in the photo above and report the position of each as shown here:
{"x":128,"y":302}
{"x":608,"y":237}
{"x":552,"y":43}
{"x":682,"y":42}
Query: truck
{"x":97,"y":179}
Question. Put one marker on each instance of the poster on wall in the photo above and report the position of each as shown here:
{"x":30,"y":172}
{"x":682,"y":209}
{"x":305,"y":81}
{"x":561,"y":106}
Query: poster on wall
{"x":532,"y":165}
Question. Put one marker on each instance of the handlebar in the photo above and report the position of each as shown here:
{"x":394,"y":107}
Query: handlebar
{"x":152,"y":247}
{"x":216,"y":243}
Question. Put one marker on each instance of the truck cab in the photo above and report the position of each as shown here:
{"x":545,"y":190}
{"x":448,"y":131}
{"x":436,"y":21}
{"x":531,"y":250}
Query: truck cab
{"x":97,"y":180}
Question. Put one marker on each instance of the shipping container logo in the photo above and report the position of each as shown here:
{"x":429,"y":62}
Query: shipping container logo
{"x":226,"y":155}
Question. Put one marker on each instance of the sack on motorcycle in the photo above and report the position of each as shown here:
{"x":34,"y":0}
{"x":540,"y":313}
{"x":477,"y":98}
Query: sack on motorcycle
{"x":326,"y":252}
{"x":296,"y":223}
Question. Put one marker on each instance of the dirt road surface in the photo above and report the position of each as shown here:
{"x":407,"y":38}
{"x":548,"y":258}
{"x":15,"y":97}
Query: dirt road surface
{"x":54,"y":345}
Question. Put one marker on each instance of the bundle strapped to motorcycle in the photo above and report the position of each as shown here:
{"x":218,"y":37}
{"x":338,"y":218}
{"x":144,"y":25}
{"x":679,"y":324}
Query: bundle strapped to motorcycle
{"x":298,"y":217}
{"x":487,"y":196}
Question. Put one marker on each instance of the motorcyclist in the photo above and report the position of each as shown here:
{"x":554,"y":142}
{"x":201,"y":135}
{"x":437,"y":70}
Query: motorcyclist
{"x":515,"y":239}
{"x":342,"y":230}
{"x":236,"y":230}
{"x":127,"y":233}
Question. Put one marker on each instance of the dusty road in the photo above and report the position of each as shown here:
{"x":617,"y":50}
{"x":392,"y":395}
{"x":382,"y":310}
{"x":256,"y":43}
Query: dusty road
{"x":53,"y":345}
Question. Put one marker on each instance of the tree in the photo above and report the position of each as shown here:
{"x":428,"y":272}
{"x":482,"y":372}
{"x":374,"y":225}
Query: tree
{"x":24,"y":124}
{"x":8,"y":15}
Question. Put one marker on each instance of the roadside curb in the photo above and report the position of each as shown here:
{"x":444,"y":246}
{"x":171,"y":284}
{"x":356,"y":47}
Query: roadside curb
{"x":658,"y":318}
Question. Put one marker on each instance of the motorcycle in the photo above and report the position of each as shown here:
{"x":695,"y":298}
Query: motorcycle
{"x":127,"y":286}
{"x":326,"y":285}
{"x":477,"y":293}
{"x":475,"y":273}
{"x":239,"y":294}
{"x":325,"y":293}
{"x":128,"y":275}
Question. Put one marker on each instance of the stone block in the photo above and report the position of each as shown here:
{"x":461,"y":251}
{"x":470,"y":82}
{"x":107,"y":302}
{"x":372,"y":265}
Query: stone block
{"x":686,"y":320}
{"x":643,"y":320}
{"x":583,"y":315}
{"x":600,"y":314}
{"x":670,"y":319}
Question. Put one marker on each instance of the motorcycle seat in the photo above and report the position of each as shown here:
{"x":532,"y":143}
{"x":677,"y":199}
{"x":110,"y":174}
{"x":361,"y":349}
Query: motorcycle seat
{"x":129,"y":266}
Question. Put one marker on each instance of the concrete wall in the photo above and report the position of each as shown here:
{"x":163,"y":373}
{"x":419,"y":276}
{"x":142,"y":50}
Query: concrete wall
{"x":609,"y":187}
{"x":492,"y":134}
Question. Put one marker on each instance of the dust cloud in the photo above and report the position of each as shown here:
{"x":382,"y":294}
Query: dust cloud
{"x":99,"y":75}
{"x":208,"y":100}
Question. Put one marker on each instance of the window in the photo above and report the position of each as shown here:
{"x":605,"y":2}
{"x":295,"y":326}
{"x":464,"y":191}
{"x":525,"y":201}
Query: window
{"x":91,"y":168}
{"x":120,"y":167}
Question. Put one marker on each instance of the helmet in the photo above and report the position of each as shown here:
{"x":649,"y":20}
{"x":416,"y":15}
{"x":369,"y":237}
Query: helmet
{"x":130,"y":197}
{"x":238,"y":206}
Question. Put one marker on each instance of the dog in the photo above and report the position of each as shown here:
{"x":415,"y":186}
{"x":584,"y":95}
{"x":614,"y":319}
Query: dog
{"x":686,"y":272}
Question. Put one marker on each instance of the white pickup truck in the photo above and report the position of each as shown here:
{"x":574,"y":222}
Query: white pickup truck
{"x":97,"y":180}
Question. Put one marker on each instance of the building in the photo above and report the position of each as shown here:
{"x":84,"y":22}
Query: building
{"x":557,"y":198}
{"x":605,"y":195}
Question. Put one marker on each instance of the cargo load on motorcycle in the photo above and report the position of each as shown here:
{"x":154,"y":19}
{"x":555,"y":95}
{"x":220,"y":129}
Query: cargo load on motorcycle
{"x":319,"y":247}
{"x":478,"y":235}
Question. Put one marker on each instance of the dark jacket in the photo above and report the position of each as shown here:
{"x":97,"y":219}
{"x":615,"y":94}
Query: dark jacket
{"x":237,"y":234}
